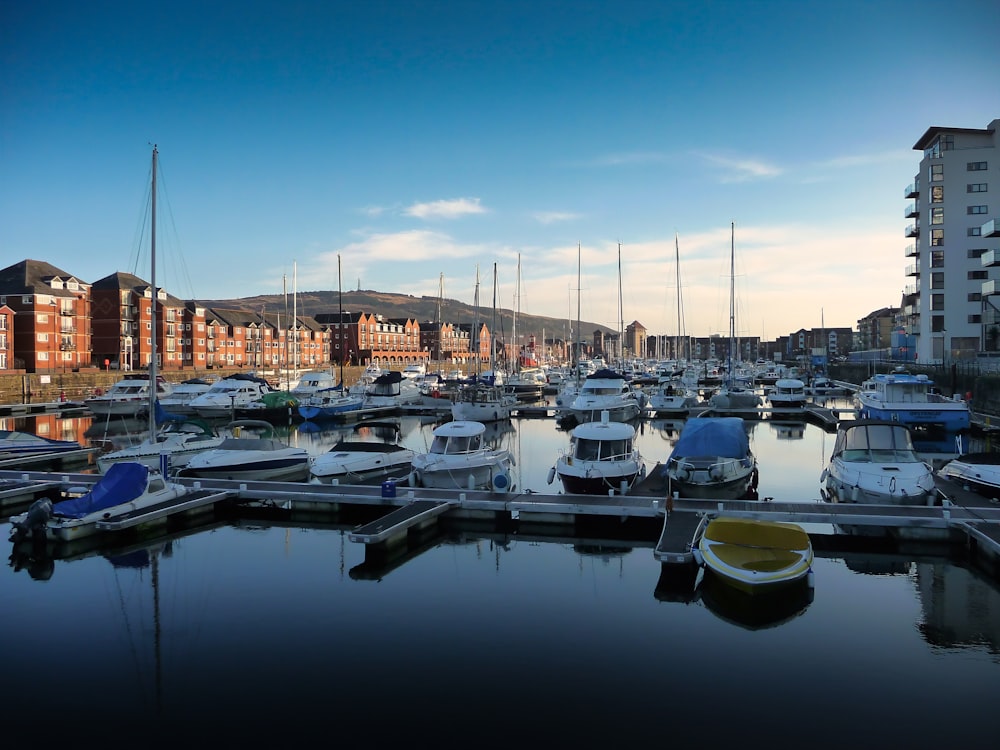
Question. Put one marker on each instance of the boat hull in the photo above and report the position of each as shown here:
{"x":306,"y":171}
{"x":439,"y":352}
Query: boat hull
{"x":267,"y":469}
{"x":597,"y":480}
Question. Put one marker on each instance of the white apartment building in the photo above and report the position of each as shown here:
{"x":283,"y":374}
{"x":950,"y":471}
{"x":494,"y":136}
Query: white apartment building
{"x":951,"y":303}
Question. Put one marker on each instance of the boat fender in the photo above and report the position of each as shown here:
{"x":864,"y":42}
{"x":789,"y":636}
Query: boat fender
{"x":501,"y":482}
{"x":754,"y":479}
{"x":684,"y":471}
{"x":436,"y":393}
{"x":715,"y":472}
{"x":414,"y":478}
{"x":552,"y":474}
{"x":642,"y":472}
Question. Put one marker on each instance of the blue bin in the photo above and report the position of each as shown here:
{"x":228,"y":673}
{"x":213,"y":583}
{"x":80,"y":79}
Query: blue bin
{"x":388,"y":488}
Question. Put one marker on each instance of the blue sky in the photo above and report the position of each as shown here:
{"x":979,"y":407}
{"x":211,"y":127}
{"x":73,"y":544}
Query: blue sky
{"x":421,"y":139}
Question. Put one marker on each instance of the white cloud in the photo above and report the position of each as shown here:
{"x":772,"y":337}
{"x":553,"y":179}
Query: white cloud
{"x":552,"y":217}
{"x":445,"y":209}
{"x":742,"y":169}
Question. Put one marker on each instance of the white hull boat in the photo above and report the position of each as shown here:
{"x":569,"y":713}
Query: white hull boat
{"x":482,"y":403}
{"x":125,"y":488}
{"x":178,"y":440}
{"x":712,"y":459}
{"x":128,"y":397}
{"x":602,"y":460}
{"x":875,"y":462}
{"x":459,"y":458}
{"x":359,"y":462}
{"x":979,"y":472}
{"x":251,"y":453}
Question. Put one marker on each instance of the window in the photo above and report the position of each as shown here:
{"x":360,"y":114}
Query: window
{"x":937,"y":194}
{"x":976,"y":166}
{"x":975,"y":318}
{"x":978,"y":275}
{"x":973,"y":210}
{"x":974,"y":232}
{"x":937,"y":237}
{"x":976,"y":252}
{"x":937,"y":215}
{"x":976,"y":187}
{"x":947,"y":142}
{"x":937,"y":302}
{"x":937,"y":258}
{"x":975,"y":297}
{"x":937,"y":172}
{"x":937,"y":280}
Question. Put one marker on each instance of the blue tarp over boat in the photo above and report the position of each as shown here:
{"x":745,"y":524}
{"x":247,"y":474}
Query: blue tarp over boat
{"x":123,"y":482}
{"x":712,"y":436}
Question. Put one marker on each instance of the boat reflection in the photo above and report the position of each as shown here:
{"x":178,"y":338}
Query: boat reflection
{"x":755,"y":611}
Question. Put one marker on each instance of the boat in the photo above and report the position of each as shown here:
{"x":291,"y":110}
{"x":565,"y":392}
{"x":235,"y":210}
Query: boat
{"x":415,"y":370}
{"x":602,"y":460}
{"x":875,"y":462}
{"x":126,"y":487}
{"x":912,"y":400}
{"x":129,"y":397}
{"x":671,"y":396}
{"x":606,"y":391}
{"x":979,"y":472}
{"x":787,"y":392}
{"x":823,"y":386}
{"x":359,"y":462}
{"x":313,"y":382}
{"x":460,"y":458}
{"x":733,"y":393}
{"x":329,"y":403}
{"x":179,"y":400}
{"x":712,"y":459}
{"x":251,"y":451}
{"x":752,"y":555}
{"x":391,"y":390}
{"x":178,"y":438}
{"x":228,"y":394}
{"x":19,"y":444}
{"x":525,"y":384}
{"x":276,"y":407}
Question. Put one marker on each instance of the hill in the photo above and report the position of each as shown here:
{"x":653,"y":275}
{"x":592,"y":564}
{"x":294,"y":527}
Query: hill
{"x":423,"y":309}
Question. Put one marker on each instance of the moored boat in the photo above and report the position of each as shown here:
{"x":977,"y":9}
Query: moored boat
{"x":19,"y":444}
{"x":460,"y":458}
{"x":126,"y":487}
{"x":753,"y":555}
{"x":911,"y":400}
{"x":253,"y":452}
{"x":979,"y":472}
{"x":712,"y":459}
{"x":602,"y":459}
{"x":128,"y":397}
{"x":359,"y":462}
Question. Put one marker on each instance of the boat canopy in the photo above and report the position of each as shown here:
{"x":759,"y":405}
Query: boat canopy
{"x":123,"y":482}
{"x":712,"y":436}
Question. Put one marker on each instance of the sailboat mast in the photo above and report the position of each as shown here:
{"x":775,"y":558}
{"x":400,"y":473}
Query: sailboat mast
{"x":732,"y":297}
{"x":341,"y":328}
{"x":152,"y":307}
{"x":517,"y":311}
{"x":621,"y":311}
{"x":677,"y":275}
{"x":579,"y":286}
{"x":493,"y":333}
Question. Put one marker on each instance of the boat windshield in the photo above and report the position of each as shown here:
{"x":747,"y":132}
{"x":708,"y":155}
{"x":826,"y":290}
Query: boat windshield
{"x":879,"y":444}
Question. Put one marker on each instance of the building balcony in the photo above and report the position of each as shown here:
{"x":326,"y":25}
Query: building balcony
{"x":990,"y":288}
{"x":910,"y":289}
{"x":990,"y":258}
{"x":991,"y":228}
{"x":912,"y":190}
{"x":911,"y":211}
{"x":913,"y":270}
{"x":913,"y":230}
{"x":68,"y":313}
{"x":911,"y":251}
{"x":67,"y":346}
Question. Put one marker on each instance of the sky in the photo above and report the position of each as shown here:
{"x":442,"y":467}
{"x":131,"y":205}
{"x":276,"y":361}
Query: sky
{"x":612,"y":161}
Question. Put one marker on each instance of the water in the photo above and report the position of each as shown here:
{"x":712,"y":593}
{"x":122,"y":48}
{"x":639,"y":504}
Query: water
{"x":266,"y":631}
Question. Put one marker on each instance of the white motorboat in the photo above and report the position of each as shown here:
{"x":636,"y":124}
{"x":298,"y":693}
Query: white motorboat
{"x":671,"y":395}
{"x":329,"y":403}
{"x":823,"y":386}
{"x":252,"y":452}
{"x":751,"y":555}
{"x":460,"y":458}
{"x":979,"y":472}
{"x":179,"y":400}
{"x":178,"y":439}
{"x":712,"y":459}
{"x":602,"y":460}
{"x":229,"y":394}
{"x":311,"y":383}
{"x":128,"y":397}
{"x":126,"y":487}
{"x":19,"y":444}
{"x":787,"y":392}
{"x":875,"y":462}
{"x":360,"y":462}
{"x":606,"y":391}
{"x":482,"y":403}
{"x":392,"y":389}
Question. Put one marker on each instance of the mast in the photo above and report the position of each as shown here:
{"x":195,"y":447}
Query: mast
{"x":493,"y":333}
{"x":517,"y":311}
{"x":437,"y":320}
{"x":578,"y":288}
{"x":732,"y":299}
{"x":152,"y":351}
{"x":284,"y":292}
{"x":621,"y":312}
{"x":475,"y":326}
{"x":340,"y":323}
{"x":295,"y":323}
{"x":677,"y":275}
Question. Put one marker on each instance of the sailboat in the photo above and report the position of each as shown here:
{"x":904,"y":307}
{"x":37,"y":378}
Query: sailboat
{"x":482,"y":401}
{"x":526,"y":381}
{"x":732,"y":394}
{"x":671,"y":395}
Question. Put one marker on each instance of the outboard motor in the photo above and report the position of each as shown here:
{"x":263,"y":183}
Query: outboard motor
{"x":39,"y":512}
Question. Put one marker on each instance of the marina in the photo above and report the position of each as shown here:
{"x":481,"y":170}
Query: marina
{"x":606,"y":586}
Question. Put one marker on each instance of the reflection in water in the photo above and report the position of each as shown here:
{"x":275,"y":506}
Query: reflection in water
{"x":755,"y":611}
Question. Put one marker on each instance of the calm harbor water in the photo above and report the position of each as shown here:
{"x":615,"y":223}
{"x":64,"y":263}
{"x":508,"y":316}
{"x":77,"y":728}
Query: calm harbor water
{"x":265,"y":630}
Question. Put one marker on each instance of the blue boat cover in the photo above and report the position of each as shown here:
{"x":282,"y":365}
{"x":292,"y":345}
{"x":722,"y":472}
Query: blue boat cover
{"x":123,"y":482}
{"x":712,"y":436}
{"x":162,"y":415}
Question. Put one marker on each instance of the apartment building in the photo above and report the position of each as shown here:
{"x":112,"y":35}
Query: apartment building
{"x":951,"y":303}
